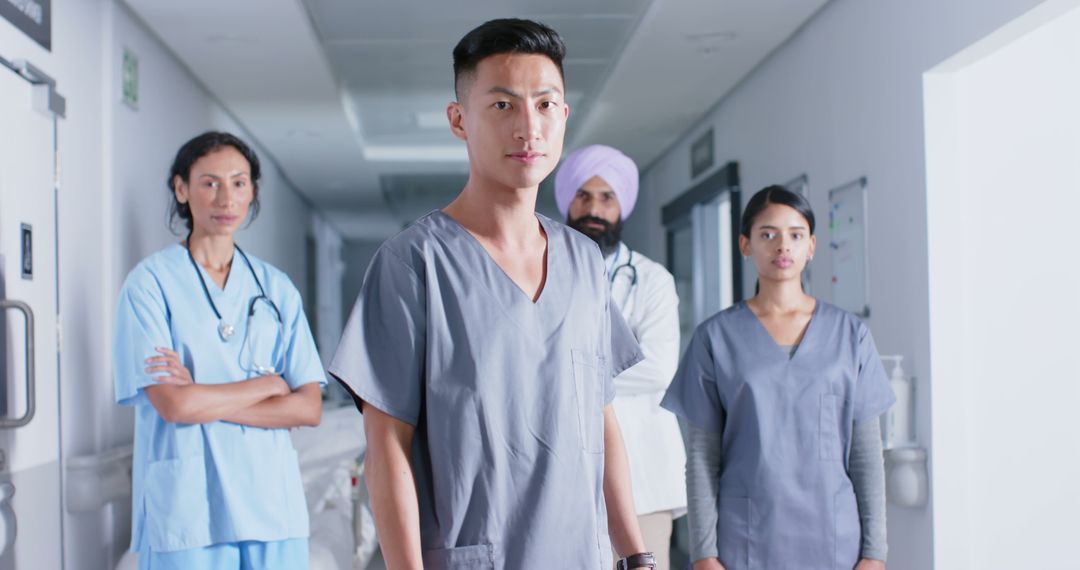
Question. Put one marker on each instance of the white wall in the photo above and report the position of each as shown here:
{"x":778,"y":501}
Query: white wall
{"x":1003,"y":141}
{"x":842,"y":99}
{"x":114,"y":164}
{"x":173,"y":107}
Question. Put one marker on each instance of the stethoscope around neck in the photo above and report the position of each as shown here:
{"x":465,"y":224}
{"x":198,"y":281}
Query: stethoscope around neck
{"x":225,"y":329}
{"x":627,"y":266}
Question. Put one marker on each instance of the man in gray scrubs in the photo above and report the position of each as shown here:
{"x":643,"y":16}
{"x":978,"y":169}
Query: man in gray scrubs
{"x":483,"y":345}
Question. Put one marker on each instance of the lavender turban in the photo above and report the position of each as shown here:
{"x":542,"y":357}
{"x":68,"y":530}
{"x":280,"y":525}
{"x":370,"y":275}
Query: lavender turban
{"x":617,"y":169}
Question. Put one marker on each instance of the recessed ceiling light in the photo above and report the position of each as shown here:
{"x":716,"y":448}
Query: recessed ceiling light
{"x":431,"y":119}
{"x":303,"y":134}
{"x":406,"y":153}
{"x":710,"y":43}
{"x":227,"y":39}
{"x":711,"y":37}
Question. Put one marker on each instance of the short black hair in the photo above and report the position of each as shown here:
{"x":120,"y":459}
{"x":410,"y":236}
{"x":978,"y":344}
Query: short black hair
{"x":507,"y":35}
{"x":197,"y":148}
{"x":775,"y":194}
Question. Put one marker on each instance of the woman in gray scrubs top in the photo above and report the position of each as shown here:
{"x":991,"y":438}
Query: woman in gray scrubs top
{"x":784,"y":384}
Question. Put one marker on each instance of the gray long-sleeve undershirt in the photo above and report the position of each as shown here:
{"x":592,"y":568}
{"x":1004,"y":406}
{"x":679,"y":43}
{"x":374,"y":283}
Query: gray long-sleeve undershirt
{"x":866,"y":469}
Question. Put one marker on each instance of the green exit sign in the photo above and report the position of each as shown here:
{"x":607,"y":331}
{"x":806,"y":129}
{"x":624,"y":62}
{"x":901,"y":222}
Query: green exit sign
{"x":129,"y":75}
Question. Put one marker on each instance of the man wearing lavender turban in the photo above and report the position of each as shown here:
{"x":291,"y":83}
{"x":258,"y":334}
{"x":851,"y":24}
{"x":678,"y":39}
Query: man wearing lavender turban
{"x":596,"y":188}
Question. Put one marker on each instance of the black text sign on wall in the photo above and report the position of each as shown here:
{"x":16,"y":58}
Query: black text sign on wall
{"x":33,"y":17}
{"x":701,"y":154}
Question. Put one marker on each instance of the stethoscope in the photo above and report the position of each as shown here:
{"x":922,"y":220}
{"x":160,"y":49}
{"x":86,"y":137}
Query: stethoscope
{"x":225,"y":329}
{"x":629,"y":265}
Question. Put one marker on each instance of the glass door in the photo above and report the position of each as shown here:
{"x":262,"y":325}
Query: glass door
{"x":702,"y":232}
{"x":702,"y":254}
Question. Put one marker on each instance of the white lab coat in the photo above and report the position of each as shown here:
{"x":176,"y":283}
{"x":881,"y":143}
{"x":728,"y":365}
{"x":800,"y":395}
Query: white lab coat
{"x":653,"y":441}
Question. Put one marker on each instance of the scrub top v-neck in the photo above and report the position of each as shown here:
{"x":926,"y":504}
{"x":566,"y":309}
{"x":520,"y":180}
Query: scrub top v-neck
{"x":510,"y":296}
{"x":786,"y":423}
{"x":506,"y":394}
{"x":766,"y":341}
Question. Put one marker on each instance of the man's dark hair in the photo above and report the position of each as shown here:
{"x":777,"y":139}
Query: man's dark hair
{"x":197,"y":148}
{"x":509,"y":35}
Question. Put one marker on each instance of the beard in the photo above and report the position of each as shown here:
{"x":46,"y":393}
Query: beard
{"x":607,"y":238}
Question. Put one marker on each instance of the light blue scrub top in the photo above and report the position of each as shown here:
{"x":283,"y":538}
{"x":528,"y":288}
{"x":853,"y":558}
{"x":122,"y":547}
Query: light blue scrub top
{"x":786,"y":500}
{"x":202,"y":484}
{"x":507,"y":395}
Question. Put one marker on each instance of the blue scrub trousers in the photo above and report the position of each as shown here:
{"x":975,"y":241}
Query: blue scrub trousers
{"x":248,"y":555}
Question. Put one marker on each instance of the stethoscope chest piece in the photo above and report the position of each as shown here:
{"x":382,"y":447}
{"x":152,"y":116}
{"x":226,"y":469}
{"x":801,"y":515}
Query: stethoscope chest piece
{"x":226,"y":330}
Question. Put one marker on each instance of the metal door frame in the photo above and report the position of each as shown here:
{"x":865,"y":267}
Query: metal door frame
{"x":678,"y":213}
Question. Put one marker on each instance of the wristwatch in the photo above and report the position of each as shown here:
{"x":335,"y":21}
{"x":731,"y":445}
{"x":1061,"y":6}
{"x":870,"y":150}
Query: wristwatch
{"x":639,"y":560}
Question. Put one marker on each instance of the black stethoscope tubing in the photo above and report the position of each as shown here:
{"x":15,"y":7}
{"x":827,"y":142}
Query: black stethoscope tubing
{"x":628,"y":265}
{"x":251,"y":269}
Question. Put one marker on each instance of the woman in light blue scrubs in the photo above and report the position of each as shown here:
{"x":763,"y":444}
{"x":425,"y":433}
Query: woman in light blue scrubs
{"x":782,"y":395}
{"x":213,"y":351}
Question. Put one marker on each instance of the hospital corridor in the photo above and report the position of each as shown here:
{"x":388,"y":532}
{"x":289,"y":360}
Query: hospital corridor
{"x":587,"y":285}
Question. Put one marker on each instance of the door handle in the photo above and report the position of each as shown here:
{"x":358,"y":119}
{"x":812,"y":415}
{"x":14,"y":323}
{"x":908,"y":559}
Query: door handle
{"x":31,"y":382}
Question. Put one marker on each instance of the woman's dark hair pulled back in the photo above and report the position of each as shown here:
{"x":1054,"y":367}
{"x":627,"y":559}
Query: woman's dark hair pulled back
{"x":774,"y":194}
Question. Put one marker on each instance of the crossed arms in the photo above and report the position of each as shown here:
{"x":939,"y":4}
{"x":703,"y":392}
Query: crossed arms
{"x":264,"y":401}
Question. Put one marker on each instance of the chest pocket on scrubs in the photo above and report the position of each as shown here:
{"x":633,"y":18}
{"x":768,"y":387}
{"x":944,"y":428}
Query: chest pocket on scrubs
{"x":177,"y":504}
{"x":263,"y":350}
{"x":589,"y":390}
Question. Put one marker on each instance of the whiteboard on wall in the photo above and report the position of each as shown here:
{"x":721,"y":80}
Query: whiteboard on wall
{"x":847,"y":242}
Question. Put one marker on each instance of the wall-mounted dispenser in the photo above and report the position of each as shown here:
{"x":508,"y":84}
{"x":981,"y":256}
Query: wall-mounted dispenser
{"x":898,"y":430}
{"x":905,"y":476}
{"x":905,"y":462}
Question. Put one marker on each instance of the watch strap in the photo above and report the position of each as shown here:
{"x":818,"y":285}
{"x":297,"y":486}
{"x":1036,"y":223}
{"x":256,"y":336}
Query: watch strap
{"x":639,"y":560}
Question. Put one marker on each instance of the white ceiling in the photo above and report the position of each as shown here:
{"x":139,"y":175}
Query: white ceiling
{"x":349,"y":96}
{"x":683,"y":58}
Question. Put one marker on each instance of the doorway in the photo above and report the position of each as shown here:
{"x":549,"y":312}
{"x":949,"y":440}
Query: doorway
{"x":30,"y":483}
{"x":702,"y":227}
{"x":1002,"y":131}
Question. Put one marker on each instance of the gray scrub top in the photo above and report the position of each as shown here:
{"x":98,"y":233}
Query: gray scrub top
{"x":786,"y":422}
{"x":506,"y":395}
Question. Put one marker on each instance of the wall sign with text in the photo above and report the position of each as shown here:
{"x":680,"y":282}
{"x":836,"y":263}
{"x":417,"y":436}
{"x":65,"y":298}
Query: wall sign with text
{"x":33,"y":17}
{"x":701,"y":154}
